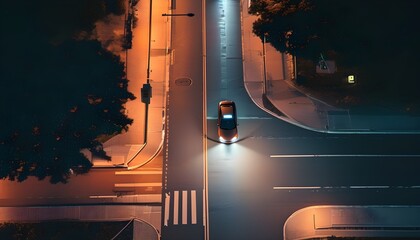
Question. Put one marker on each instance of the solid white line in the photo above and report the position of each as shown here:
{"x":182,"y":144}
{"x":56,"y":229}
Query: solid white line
{"x":294,"y":188}
{"x":338,"y":155}
{"x":340,"y":187}
{"x":109,"y":196}
{"x":205,"y":159}
{"x":205,"y":199}
{"x":244,"y":118}
{"x":184,"y":207}
{"x":138,"y":172}
{"x":176,"y":206}
{"x":193,"y":207}
{"x":369,"y":187}
{"x":167,"y":207}
{"x":205,"y":176}
{"x":155,"y":184}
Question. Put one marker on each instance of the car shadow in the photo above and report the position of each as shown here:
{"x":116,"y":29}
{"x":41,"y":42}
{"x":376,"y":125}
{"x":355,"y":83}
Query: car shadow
{"x":217,"y":141}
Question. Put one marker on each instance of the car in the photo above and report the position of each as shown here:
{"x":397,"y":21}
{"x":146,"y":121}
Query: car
{"x":227,"y":125}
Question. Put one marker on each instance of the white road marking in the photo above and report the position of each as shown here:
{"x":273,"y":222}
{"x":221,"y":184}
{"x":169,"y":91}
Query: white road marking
{"x":369,"y":187}
{"x":193,"y":207}
{"x":167,"y":207}
{"x":244,"y":118}
{"x":294,"y":188}
{"x":339,"y":155}
{"x":184,"y":207}
{"x":176,"y":206}
{"x":205,"y":199}
{"x":104,"y":196}
{"x":340,"y":187}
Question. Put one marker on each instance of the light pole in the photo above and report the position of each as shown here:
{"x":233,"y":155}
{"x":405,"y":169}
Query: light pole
{"x":264,"y":68}
{"x":178,"y":14}
{"x":146,"y":90}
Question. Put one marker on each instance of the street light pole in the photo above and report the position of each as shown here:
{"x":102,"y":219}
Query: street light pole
{"x":178,"y":14}
{"x":150,"y":42}
{"x":264,"y":69}
{"x":147,"y":89}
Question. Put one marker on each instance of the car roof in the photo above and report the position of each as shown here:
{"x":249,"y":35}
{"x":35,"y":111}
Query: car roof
{"x":226,"y":102}
{"x":227,"y":109}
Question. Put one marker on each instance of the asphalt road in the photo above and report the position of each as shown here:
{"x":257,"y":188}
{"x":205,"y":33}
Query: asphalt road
{"x":184,"y":179}
{"x":276,"y":168}
{"x":255,"y":184}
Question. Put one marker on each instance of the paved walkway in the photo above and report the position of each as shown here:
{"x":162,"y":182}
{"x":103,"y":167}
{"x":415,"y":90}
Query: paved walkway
{"x":148,"y":228}
{"x":129,"y":149}
{"x":354,"y":221}
{"x":289,"y":103}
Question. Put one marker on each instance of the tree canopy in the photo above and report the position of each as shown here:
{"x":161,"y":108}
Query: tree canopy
{"x":369,"y":35}
{"x":289,"y":25}
{"x":60,"y":89}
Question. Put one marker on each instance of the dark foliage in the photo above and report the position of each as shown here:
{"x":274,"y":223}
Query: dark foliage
{"x":376,"y":37}
{"x":58,"y":91}
{"x":62,"y":230}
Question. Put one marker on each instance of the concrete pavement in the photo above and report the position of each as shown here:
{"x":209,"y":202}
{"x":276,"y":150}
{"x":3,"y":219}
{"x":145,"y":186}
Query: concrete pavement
{"x":129,"y":149}
{"x":147,"y":228}
{"x":274,"y":91}
{"x":353,"y":221}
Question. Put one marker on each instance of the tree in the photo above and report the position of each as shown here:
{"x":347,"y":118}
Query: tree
{"x":291,"y":26}
{"x":304,"y":28}
{"x":374,"y":37}
{"x":60,"y":92}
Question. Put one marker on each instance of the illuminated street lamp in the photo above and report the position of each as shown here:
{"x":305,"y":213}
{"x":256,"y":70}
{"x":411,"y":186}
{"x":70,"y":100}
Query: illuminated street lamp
{"x":177,"y":14}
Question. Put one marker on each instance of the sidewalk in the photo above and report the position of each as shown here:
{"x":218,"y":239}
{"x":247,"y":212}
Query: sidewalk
{"x":289,"y":103}
{"x":128,"y":149}
{"x":394,"y":222}
{"x":146,"y":228}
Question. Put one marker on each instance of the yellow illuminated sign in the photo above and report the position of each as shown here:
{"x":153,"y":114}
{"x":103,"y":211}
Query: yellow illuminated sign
{"x":350,"y":79}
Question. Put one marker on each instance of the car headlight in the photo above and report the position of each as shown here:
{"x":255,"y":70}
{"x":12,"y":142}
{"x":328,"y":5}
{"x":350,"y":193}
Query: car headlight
{"x":222,"y":140}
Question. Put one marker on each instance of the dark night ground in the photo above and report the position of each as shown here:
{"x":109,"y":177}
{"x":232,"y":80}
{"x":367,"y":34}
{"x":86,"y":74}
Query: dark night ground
{"x":64,"y":230}
{"x":380,"y":42}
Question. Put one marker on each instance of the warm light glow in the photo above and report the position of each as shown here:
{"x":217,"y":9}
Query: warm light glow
{"x":222,"y":140}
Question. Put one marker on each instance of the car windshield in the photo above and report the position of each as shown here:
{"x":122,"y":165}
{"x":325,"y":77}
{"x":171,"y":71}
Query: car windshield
{"x":227,"y":120}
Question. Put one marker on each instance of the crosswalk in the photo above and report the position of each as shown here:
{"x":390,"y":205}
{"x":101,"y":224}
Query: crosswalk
{"x":181,"y":207}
